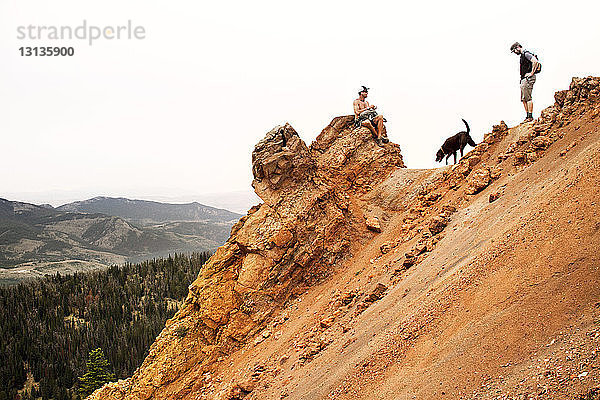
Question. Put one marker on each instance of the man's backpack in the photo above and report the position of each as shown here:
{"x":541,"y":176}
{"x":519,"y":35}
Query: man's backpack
{"x":539,"y":67}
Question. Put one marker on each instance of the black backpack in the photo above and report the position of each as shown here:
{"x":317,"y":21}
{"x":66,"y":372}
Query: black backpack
{"x":539,"y":68}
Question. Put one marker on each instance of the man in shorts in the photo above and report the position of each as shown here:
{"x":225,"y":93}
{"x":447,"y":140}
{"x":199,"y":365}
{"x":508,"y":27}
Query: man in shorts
{"x":365,"y":115}
{"x":529,"y":66}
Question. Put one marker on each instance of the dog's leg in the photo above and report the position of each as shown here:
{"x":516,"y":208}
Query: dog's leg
{"x":454,"y":157}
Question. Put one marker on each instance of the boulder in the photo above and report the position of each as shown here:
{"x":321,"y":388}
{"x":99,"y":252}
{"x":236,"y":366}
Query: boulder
{"x":437,"y":224}
{"x":520,"y":158}
{"x":541,"y":142}
{"x":373,"y":224}
{"x":478,"y":180}
{"x":494,"y":196}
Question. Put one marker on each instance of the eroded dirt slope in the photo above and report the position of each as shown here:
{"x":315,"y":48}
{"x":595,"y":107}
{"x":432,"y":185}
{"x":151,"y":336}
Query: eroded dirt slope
{"x":358,"y":278}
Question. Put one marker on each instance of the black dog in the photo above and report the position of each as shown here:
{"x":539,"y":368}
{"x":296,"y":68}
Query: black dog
{"x":454,"y":143}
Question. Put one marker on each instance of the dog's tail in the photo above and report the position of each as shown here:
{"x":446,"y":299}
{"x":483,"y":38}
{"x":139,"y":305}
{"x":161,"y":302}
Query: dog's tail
{"x":467,"y":125}
{"x":469,"y":139}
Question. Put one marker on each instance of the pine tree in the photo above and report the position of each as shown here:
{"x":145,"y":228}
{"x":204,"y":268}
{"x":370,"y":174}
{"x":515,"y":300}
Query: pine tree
{"x":98,"y":373}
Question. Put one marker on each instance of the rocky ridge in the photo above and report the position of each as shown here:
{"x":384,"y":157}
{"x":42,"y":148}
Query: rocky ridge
{"x":306,"y":277}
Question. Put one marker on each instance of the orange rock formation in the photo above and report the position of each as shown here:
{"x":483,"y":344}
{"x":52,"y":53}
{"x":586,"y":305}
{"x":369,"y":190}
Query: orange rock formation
{"x":359,"y":278}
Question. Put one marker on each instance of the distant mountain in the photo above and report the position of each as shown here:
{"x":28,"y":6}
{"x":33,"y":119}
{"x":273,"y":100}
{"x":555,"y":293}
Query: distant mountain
{"x":125,"y":230}
{"x":150,"y":211}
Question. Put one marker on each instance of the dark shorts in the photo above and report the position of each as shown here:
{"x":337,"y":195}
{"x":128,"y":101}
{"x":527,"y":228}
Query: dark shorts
{"x":367,"y":115}
{"x":527,"y":88}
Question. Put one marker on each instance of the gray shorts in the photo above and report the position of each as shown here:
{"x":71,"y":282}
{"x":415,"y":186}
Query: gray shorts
{"x":527,"y":88}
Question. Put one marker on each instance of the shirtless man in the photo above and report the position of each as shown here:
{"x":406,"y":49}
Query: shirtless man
{"x":366,"y":116}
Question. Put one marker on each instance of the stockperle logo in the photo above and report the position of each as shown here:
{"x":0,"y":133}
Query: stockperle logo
{"x":89,"y":33}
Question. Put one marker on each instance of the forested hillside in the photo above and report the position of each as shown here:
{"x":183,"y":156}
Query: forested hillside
{"x":48,"y":326}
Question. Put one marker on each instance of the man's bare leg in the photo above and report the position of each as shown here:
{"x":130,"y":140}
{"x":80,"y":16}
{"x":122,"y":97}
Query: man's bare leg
{"x":530,"y":107}
{"x":367,"y":124}
{"x":525,"y":106}
{"x":380,"y":127}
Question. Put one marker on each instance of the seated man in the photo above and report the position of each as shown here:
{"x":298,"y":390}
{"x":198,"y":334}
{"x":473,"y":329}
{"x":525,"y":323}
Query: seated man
{"x":365,"y":115}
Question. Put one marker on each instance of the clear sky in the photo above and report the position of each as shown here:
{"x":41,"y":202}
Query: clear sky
{"x":176,"y":115}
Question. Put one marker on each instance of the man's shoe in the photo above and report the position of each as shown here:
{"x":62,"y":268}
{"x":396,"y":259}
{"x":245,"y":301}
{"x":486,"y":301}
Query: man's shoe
{"x":379,"y":143}
{"x":528,"y":119}
{"x":385,"y":139}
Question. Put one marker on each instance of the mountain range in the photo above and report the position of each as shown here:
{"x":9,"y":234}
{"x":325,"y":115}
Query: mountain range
{"x":40,"y":239}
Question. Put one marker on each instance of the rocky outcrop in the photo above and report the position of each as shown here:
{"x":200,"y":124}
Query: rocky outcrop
{"x":582,"y":97}
{"x":323,"y":204}
{"x":312,"y":207}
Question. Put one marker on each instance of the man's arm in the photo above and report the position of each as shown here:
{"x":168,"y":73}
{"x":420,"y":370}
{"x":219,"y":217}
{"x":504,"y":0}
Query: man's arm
{"x":534,"y":64}
{"x":358,"y":109}
{"x":356,"y":106}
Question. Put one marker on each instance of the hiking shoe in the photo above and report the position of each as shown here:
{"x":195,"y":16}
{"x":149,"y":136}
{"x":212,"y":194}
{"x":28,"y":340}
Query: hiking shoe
{"x":379,"y":142}
{"x":385,"y":139}
{"x":528,"y":119}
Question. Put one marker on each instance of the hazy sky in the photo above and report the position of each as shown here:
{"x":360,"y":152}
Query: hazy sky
{"x":176,"y":115}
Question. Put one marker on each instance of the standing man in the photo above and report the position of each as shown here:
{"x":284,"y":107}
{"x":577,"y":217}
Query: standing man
{"x":528,"y":68}
{"x":365,"y":115}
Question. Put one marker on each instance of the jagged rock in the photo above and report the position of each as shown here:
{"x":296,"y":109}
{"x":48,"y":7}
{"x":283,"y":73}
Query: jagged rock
{"x":347,"y":298}
{"x":377,"y":293}
{"x":542,"y":127}
{"x":541,"y":142}
{"x":480,"y":149}
{"x":437,"y":225}
{"x":547,"y":117}
{"x":474,"y":160}
{"x":520,"y":158}
{"x":559,"y":97}
{"x":386,"y":247}
{"x":581,"y":90}
{"x":462,"y":168}
{"x":279,"y":161}
{"x":531,"y":156}
{"x":478,"y":180}
{"x":326,"y":323}
{"x":494,"y":196}
{"x":448,"y":209}
{"x":498,"y":132}
{"x":373,"y":224}
{"x":237,"y":393}
{"x":282,"y":238}
{"x":293,"y":239}
{"x":495,"y":173}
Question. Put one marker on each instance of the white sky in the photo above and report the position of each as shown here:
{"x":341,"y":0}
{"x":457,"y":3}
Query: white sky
{"x":176,"y":115}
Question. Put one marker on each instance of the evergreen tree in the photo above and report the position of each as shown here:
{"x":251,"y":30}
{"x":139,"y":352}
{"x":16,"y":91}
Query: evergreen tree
{"x":49,"y":325}
{"x":98,"y":373}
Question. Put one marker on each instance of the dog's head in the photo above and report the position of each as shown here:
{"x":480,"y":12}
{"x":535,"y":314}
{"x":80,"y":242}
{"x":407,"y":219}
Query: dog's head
{"x":439,"y":155}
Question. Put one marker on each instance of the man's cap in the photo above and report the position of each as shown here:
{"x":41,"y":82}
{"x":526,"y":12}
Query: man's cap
{"x":515,"y":45}
{"x":364,"y":89}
